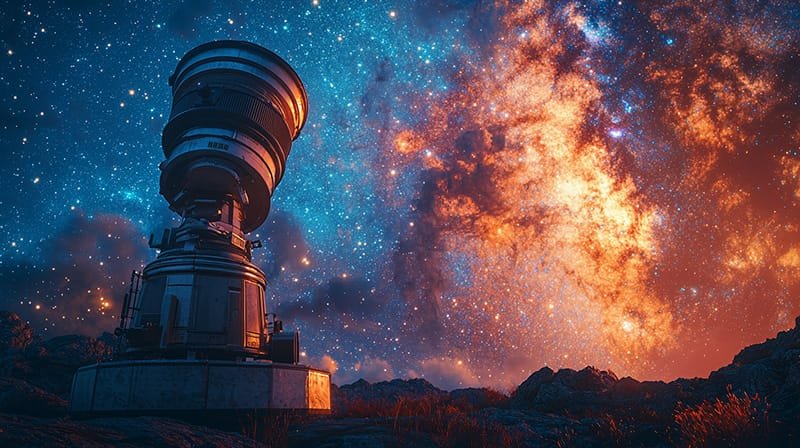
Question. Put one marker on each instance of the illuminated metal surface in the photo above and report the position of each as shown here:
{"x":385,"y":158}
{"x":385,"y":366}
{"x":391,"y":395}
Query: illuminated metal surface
{"x":199,"y":312}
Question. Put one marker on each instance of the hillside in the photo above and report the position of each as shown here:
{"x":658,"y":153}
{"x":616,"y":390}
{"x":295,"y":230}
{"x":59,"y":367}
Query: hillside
{"x":753,"y":400}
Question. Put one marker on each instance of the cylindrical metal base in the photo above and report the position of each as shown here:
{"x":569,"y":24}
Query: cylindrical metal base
{"x":208,"y":303}
{"x":197,"y":386}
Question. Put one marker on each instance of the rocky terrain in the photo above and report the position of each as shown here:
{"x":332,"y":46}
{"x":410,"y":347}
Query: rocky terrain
{"x":754,"y":401}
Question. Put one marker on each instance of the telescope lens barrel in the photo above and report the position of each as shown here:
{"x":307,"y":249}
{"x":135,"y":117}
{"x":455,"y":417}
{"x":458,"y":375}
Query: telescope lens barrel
{"x":236,"y":109}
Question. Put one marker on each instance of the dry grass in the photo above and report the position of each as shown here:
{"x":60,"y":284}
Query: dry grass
{"x":448,"y":422}
{"x":467,"y":430}
{"x":267,"y":428}
{"x":610,"y":430}
{"x":732,"y":421}
{"x":410,"y":406}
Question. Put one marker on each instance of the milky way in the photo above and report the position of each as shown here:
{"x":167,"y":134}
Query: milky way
{"x":481,"y":188}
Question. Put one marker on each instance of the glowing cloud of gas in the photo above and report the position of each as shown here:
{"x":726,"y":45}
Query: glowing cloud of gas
{"x":551,"y":236}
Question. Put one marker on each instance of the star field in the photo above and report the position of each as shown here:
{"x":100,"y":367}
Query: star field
{"x":481,"y":189}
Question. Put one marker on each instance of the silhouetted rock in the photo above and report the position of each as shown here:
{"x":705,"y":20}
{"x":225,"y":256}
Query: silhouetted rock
{"x":529,"y":389}
{"x":19,"y":397}
{"x":362,"y":398}
{"x":565,"y":408}
{"x":589,"y":379}
{"x":566,"y":391}
{"x":771,"y":370}
{"x":646,"y":409}
{"x":48,"y":364}
{"x":55,"y":361}
{"x":389,"y":390}
{"x":478,"y":398}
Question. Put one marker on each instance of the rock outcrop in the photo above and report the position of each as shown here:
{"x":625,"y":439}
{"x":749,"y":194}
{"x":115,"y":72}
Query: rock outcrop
{"x":755,"y":400}
{"x":47,"y":364}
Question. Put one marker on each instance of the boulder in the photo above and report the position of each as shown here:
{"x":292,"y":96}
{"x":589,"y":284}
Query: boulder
{"x":588,"y":379}
{"x":477,"y":398}
{"x":527,"y":391}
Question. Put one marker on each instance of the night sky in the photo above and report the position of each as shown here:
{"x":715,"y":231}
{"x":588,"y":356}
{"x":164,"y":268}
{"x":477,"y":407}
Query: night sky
{"x":481,"y":189}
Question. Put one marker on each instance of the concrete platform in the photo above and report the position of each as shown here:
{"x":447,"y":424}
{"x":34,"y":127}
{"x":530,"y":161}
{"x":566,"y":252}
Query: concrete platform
{"x":198,"y":386}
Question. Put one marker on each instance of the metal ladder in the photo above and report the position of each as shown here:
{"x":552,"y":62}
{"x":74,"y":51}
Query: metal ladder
{"x":131,"y":302}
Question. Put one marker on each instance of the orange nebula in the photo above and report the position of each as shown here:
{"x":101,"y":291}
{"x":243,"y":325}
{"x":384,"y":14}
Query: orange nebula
{"x":568,"y":260}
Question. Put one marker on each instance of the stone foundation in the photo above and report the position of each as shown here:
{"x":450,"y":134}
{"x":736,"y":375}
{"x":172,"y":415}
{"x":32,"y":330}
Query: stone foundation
{"x":176,"y":386}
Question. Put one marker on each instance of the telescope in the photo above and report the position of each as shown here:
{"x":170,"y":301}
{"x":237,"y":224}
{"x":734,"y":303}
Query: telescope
{"x":196,"y":333}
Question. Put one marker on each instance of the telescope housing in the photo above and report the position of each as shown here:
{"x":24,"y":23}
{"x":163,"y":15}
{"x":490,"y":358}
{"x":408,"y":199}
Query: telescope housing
{"x":197,"y":312}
